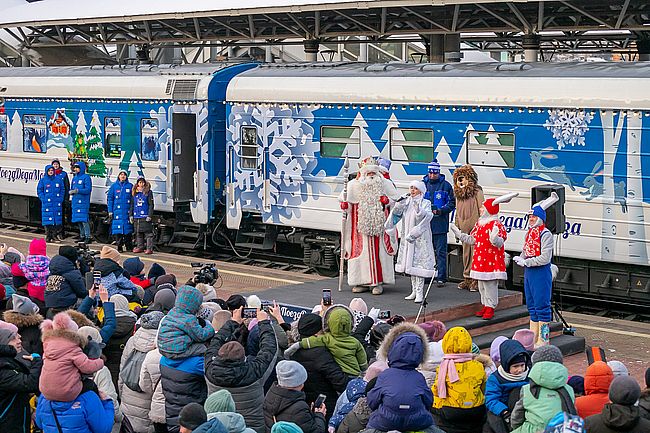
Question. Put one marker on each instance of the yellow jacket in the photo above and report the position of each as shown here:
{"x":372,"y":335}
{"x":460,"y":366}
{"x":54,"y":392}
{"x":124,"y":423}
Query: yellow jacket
{"x":468,"y":391}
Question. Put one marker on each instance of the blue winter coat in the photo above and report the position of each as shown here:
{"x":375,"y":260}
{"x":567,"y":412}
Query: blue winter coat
{"x":497,"y":388}
{"x":65,"y":284}
{"x":441,"y":195}
{"x":118,"y":199}
{"x":183,"y":382}
{"x":86,"y":414}
{"x":401,"y":399}
{"x":354,"y":391}
{"x":81,"y":200}
{"x":51,"y":192}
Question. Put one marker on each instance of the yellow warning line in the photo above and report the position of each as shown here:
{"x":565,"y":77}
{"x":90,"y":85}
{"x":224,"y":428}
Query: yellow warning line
{"x":184,"y":265}
{"x":613,"y":331}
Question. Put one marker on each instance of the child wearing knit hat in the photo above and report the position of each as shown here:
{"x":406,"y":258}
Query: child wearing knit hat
{"x":622,"y":414}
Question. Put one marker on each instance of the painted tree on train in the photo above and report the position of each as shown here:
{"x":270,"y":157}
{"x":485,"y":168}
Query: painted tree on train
{"x":636,"y":219}
{"x":80,"y":148}
{"x":443,"y":154}
{"x":96,"y":163}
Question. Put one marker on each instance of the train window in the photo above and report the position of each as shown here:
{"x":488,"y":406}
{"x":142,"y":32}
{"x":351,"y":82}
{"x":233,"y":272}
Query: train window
{"x":491,"y":148}
{"x":4,"y":124}
{"x":248,"y":148}
{"x":336,"y":140}
{"x":113,"y":137}
{"x":411,"y":145}
{"x":150,"y":148}
{"x":34,"y":132}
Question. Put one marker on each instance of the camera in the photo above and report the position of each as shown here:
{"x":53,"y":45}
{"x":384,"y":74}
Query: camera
{"x":266,"y":306}
{"x":327,"y":297}
{"x":249,"y":313}
{"x":384,"y":315}
{"x":86,"y":257}
{"x":206,"y":274}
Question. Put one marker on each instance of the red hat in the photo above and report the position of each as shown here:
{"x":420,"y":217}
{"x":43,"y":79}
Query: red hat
{"x":38,"y":247}
{"x":491,"y":207}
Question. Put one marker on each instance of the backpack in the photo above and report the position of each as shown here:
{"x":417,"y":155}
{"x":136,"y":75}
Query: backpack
{"x":130,"y":373}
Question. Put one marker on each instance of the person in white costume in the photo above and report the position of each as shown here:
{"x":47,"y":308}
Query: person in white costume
{"x":416,"y":256}
{"x":367,"y":248}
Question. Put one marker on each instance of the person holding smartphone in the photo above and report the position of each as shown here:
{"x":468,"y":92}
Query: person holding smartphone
{"x":65,"y":283}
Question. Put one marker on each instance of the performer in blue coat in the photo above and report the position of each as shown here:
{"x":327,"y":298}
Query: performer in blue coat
{"x":141,"y":216}
{"x":80,"y":190}
{"x":60,"y":172}
{"x":441,"y":195}
{"x":51,"y":192}
{"x":118,"y":201}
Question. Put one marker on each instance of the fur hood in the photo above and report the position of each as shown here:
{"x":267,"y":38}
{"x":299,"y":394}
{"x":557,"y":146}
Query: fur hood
{"x":79,"y":318}
{"x":64,"y":334}
{"x":473,"y":186}
{"x":22,"y":320}
{"x":486,"y":361}
{"x":398,"y":330}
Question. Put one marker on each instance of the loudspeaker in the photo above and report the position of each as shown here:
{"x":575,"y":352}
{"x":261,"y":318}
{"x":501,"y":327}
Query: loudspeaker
{"x":555,"y":214}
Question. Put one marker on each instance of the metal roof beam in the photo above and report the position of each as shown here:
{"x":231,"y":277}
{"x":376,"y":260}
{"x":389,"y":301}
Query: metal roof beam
{"x":429,"y":20}
{"x":520,"y":17}
{"x":292,"y":30}
{"x":619,"y":21}
{"x":587,"y":14}
{"x":497,"y":16}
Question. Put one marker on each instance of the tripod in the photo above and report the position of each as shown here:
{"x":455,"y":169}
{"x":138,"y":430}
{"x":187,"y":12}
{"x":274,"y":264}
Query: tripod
{"x":423,"y":306}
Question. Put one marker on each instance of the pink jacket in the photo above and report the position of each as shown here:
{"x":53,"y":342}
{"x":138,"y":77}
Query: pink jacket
{"x":63,"y":364}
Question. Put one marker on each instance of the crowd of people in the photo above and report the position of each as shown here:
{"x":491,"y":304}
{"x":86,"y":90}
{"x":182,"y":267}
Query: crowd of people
{"x":124,"y":349}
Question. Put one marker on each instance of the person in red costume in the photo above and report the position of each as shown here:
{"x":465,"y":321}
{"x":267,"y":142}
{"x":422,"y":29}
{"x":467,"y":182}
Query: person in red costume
{"x":488,"y":263}
{"x":367,"y":248}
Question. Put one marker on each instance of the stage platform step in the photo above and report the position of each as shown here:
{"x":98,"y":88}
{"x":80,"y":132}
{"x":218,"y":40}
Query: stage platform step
{"x":515,"y":317}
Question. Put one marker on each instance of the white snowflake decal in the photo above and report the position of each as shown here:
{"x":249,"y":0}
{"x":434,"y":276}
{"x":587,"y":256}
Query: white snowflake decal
{"x":568,"y":126}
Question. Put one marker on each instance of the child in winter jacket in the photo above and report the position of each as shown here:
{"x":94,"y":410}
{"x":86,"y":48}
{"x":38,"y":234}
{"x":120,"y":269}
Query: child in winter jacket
{"x":134,"y":267}
{"x":63,"y":359}
{"x":347,"y":351}
{"x":622,"y":415}
{"x":141,"y":214}
{"x":644,"y":400}
{"x":36,"y":269}
{"x":459,"y":401}
{"x":597,"y":380}
{"x":181,"y":335}
{"x":24,"y":314}
{"x":511,"y":375}
{"x":401,"y":399}
{"x":84,"y":414}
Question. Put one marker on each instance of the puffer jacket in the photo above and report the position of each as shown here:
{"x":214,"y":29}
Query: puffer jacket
{"x":29,"y":329}
{"x":598,"y":377}
{"x":150,"y":384}
{"x":545,"y":396}
{"x":65,"y":284}
{"x":81,"y":200}
{"x":104,"y":383}
{"x":136,"y":405}
{"x":181,"y":328}
{"x":212,"y":425}
{"x":498,"y":388}
{"x":347,"y":351}
{"x":36,"y":269}
{"x":118,"y":201}
{"x":85,"y":414}
{"x":18,"y":379}
{"x":282,"y":404}
{"x":115,"y":346}
{"x":616,"y":418}
{"x":231,"y":421}
{"x":400,"y":399}
{"x":183,"y":382}
{"x":353,"y":392}
{"x":463,"y":410}
{"x":51,"y":192}
{"x":644,"y":403}
{"x":243,"y":379}
{"x":114,"y":278}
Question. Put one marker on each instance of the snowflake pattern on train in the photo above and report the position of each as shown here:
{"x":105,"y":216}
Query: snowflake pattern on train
{"x":288,"y":162}
{"x":568,"y":126}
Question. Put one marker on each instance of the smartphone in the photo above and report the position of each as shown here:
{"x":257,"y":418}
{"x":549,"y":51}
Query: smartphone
{"x":97,"y":278}
{"x":249,"y":313}
{"x":327,"y":297}
{"x":266,"y":306}
{"x":385,"y":314}
{"x":319,"y":401}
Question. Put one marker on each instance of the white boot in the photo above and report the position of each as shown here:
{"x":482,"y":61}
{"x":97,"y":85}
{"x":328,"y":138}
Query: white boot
{"x":419,"y":295}
{"x":411,"y":296}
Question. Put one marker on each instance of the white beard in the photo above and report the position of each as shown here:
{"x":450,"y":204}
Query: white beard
{"x":371,"y":213}
{"x":486,"y":218}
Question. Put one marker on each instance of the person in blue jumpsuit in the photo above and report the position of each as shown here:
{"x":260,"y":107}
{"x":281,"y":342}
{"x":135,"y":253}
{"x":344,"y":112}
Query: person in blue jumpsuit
{"x":59,"y":171}
{"x":80,"y":189}
{"x":441,"y":195}
{"x":51,"y":192}
{"x":118,"y":200}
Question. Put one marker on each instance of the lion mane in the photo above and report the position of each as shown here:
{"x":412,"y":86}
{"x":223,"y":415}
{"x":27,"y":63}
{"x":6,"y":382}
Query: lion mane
{"x":472,"y":188}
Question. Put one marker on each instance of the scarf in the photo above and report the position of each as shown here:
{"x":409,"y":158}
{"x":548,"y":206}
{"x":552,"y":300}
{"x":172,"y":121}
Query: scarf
{"x":513,"y":377}
{"x":533,"y":242}
{"x":447,"y":369}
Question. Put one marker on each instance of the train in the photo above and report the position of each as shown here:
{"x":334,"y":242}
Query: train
{"x":248,"y":157}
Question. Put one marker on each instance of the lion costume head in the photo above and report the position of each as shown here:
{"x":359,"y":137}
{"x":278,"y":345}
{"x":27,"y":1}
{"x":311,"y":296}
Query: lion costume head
{"x":465,"y":182}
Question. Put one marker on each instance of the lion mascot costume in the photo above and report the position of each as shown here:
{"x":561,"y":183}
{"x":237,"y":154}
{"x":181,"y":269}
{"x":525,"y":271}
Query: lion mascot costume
{"x":469,"y":199}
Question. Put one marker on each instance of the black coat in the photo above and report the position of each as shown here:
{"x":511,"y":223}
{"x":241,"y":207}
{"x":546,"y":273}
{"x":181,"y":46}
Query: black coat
{"x":64,"y":285}
{"x":115,"y":346}
{"x":29,"y":329}
{"x":282,"y":404}
{"x":324,"y":376}
{"x":18,"y":380}
{"x":616,"y":418}
{"x":108,"y":266}
{"x":182,"y":383}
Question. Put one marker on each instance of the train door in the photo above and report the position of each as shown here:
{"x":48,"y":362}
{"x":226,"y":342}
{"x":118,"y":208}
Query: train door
{"x":184,"y":156}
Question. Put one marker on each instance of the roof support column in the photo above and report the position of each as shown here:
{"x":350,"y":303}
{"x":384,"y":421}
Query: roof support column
{"x":436,"y":48}
{"x":531,"y":44}
{"x":643,"y":48}
{"x":268,"y":54}
{"x":363,"y":50}
{"x":452,"y":47}
{"x":311,"y":49}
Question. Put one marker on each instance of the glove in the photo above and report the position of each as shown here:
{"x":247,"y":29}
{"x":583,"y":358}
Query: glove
{"x":35,"y":356}
{"x":110,"y":215}
{"x":384,"y":200}
{"x":291,"y":350}
{"x":410,"y":238}
{"x":455,"y":230}
{"x":148,"y":219}
{"x":73,"y":191}
{"x":520,"y":261}
{"x":494,"y":234}
{"x":374,"y":313}
{"x":131,"y":220}
{"x":344,"y":205}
